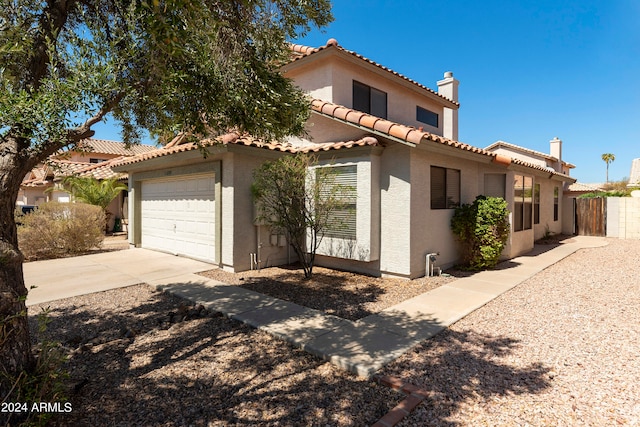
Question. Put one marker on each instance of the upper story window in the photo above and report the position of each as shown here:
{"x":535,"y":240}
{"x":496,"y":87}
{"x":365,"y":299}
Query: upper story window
{"x":445,"y":188}
{"x":427,"y":117}
{"x":369,"y":100}
{"x":97,"y":160}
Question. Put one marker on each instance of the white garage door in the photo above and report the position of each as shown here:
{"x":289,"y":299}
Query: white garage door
{"x":178,"y":216}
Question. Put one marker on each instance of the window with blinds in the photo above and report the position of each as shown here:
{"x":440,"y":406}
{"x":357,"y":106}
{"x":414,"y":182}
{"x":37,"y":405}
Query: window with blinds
{"x":445,"y":188}
{"x":495,"y":184}
{"x":343,"y":185}
{"x":522,"y":202}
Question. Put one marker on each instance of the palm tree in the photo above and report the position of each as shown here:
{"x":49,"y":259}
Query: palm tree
{"x":90,"y":190}
{"x":608,"y":158}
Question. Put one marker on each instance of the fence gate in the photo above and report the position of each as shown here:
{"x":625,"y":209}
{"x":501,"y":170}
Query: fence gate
{"x":591,"y":214}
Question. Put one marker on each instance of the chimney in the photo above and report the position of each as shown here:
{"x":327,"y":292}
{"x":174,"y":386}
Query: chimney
{"x":448,"y":87}
{"x":555,"y":150}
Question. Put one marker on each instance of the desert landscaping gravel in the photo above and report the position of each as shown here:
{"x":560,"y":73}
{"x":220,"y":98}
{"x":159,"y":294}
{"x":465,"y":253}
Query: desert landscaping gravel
{"x":562,"y":348}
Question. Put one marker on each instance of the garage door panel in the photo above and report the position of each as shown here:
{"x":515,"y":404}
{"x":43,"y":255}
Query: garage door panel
{"x":178,"y":216}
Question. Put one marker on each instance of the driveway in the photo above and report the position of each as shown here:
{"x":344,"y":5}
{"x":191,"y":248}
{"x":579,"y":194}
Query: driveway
{"x":67,"y":277}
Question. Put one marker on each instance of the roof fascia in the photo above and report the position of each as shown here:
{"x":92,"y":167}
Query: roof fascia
{"x":170,"y":160}
{"x":367,"y":129}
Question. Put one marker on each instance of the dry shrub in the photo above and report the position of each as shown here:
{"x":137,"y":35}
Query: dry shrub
{"x":60,"y":229}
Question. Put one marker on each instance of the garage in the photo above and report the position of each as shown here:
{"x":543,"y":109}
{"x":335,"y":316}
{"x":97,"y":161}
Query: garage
{"x":178,"y":215}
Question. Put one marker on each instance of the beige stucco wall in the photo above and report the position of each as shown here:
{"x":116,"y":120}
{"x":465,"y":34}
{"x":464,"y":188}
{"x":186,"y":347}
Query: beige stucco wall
{"x":330,"y":78}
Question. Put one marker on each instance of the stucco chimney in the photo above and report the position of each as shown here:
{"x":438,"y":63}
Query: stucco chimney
{"x":555,"y":150}
{"x":448,"y":87}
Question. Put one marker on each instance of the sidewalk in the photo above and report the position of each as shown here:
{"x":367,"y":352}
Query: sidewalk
{"x":365,"y":346}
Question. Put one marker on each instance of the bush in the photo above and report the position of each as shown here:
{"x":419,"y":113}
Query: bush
{"x":59,"y":229}
{"x":483,"y":229}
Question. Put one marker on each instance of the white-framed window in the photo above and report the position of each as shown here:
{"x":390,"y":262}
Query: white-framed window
{"x":343,"y":184}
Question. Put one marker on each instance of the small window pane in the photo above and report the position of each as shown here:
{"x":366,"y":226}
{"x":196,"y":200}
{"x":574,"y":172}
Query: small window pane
{"x":378,"y":103}
{"x":361,"y":95}
{"x":427,"y":117}
{"x":453,"y":188}
{"x":438,"y":188}
{"x":494,"y":185}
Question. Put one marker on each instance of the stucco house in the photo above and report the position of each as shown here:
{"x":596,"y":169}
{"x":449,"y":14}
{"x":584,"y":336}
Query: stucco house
{"x":92,"y":157}
{"x":393,"y":139}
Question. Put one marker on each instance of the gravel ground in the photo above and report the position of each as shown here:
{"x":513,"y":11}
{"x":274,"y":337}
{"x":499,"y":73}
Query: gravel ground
{"x":560,"y":349}
{"x":144,"y":358}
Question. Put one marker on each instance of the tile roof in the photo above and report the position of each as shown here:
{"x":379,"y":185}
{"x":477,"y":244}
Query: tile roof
{"x":179,"y":146}
{"x":377,"y":126}
{"x":579,"y":186}
{"x":300,"y":52}
{"x":408,"y":134}
{"x":103,"y":146}
{"x":499,"y":144}
{"x":54,"y":169}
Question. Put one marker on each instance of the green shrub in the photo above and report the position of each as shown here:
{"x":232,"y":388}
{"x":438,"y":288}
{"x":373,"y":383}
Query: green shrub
{"x":615,"y":193}
{"x":482,"y":229}
{"x":60,"y":229}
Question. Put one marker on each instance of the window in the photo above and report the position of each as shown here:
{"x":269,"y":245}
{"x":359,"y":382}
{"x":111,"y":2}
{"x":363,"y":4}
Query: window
{"x":556,"y":195}
{"x":342,"y":184}
{"x":96,"y":160}
{"x":536,"y":204}
{"x":369,"y":100}
{"x":445,"y":188}
{"x":522,"y":206}
{"x":494,"y":184}
{"x":427,"y":117}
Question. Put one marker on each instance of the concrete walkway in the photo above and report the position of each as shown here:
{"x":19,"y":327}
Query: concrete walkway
{"x":361,"y":347}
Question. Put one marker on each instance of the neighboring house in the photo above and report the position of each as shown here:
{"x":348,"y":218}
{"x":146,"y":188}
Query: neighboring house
{"x":93,"y":157}
{"x":389,"y":136}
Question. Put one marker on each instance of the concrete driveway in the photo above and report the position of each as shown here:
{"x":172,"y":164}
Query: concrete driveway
{"x":67,"y":277}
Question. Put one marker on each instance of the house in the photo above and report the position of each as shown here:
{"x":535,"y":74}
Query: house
{"x":392,"y":138}
{"x":92,"y":157}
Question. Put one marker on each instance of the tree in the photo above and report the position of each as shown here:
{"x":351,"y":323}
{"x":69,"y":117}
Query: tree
{"x":608,"y":158}
{"x":91,"y":191}
{"x":163,"y":65}
{"x":300,"y":202}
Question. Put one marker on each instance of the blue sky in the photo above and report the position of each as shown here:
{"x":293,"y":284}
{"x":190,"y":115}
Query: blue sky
{"x":529,"y":70}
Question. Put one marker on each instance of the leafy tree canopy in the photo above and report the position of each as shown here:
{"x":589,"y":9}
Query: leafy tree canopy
{"x":162,"y":65}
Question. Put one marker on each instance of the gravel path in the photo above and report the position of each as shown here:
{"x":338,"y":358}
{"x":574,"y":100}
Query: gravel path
{"x":560,"y":349}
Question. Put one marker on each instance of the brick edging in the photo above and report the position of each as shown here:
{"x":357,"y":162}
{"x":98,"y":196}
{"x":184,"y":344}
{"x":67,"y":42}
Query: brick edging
{"x":415,"y":396}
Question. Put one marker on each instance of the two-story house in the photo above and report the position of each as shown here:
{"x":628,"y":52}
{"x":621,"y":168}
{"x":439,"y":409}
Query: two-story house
{"x":393,"y":139}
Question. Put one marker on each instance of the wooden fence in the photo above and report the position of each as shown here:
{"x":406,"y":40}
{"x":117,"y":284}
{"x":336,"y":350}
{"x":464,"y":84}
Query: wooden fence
{"x":591,"y":216}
